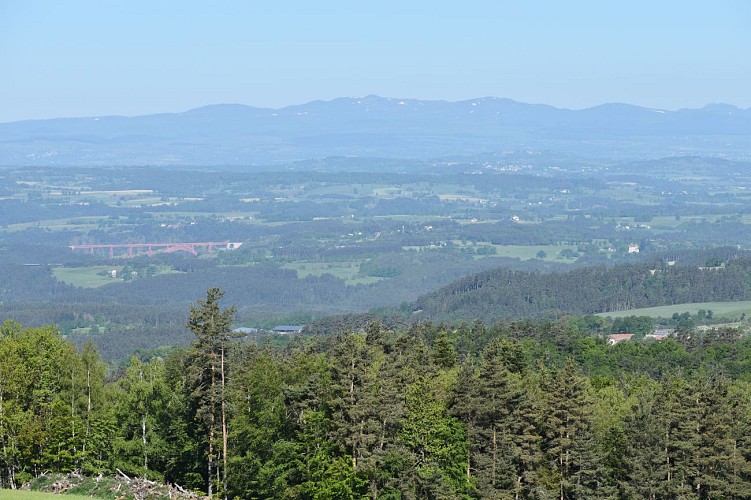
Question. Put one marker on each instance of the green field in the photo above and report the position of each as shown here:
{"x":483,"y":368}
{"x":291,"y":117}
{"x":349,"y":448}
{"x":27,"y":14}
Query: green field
{"x":67,"y":224}
{"x":34,"y":495}
{"x":720,"y":309}
{"x":85,"y":277}
{"x":521,"y":252}
{"x":348,"y":271}
{"x":89,"y":277}
{"x":524,"y":252}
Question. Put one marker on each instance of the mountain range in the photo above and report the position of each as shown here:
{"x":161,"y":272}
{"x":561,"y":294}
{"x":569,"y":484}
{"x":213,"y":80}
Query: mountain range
{"x":233,"y":134}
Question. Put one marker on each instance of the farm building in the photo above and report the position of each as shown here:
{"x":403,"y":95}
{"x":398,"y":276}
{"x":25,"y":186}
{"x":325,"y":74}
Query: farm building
{"x":288,"y":328}
{"x":615,"y":338}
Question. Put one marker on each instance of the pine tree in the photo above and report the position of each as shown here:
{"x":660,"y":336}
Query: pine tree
{"x":268,"y":395}
{"x":444,"y":352}
{"x":351,"y":374}
{"x":661,"y":437}
{"x":737,"y":468}
{"x":718,"y":460}
{"x":502,"y":420}
{"x":578,"y":469}
{"x":645,"y":428}
{"x":98,"y":416}
{"x":678,"y":408}
{"x":211,"y":327}
{"x":140,"y":415}
{"x":437,"y":443}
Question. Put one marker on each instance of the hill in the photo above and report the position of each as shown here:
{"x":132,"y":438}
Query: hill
{"x":503,"y":294}
{"x":233,"y":134}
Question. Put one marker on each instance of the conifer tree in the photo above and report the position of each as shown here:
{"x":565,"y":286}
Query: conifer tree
{"x":502,"y":421}
{"x":444,"y":352}
{"x":140,"y":413}
{"x":437,"y":443}
{"x":98,"y":417}
{"x":577,"y":464}
{"x":737,"y":467}
{"x":211,"y":327}
{"x":644,"y":459}
{"x":720,"y":458}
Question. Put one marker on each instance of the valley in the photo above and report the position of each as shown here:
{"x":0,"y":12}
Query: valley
{"x":341,"y":235}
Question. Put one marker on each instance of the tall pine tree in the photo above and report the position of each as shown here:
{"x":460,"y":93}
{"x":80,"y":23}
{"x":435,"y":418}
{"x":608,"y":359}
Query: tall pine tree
{"x":211,"y":326}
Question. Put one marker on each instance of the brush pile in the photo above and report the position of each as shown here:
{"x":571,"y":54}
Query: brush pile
{"x":120,"y":487}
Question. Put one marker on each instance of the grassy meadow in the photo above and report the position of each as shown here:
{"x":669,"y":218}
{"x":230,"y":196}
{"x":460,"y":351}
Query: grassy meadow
{"x":86,"y":277}
{"x":720,"y":310}
{"x":34,"y":495}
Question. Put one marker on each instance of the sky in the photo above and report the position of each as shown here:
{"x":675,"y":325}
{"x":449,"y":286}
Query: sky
{"x":133,"y":57}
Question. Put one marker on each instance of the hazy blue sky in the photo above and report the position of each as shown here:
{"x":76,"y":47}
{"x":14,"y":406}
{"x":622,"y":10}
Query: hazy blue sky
{"x":98,"y":57}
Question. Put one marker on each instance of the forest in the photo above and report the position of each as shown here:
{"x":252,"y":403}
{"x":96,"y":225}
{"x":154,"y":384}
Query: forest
{"x":122,"y":318}
{"x":451,"y":347}
{"x":521,"y":409}
{"x":508,"y":294}
{"x":344,"y":234}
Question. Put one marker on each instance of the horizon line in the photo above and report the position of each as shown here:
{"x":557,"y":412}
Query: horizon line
{"x":371,"y":96}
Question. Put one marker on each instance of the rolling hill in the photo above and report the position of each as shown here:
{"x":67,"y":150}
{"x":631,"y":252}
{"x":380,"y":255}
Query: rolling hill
{"x":503,"y":294}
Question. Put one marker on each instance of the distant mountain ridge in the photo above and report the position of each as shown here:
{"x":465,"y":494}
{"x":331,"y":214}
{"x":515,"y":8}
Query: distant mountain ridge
{"x":234,"y":134}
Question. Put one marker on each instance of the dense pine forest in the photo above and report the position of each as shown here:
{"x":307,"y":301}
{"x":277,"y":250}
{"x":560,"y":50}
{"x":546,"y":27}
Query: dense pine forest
{"x":509,"y":294}
{"x":526,"y":409}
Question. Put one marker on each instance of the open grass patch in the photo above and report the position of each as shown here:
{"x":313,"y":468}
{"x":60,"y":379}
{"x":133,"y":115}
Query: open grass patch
{"x":719,"y":309}
{"x":543,"y":252}
{"x":67,"y":224}
{"x":35,"y":495}
{"x":96,"y":276}
{"x":391,"y":192}
{"x":347,"y":271}
{"x":86,"y":277}
{"x":461,"y":197}
{"x":556,"y":253}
